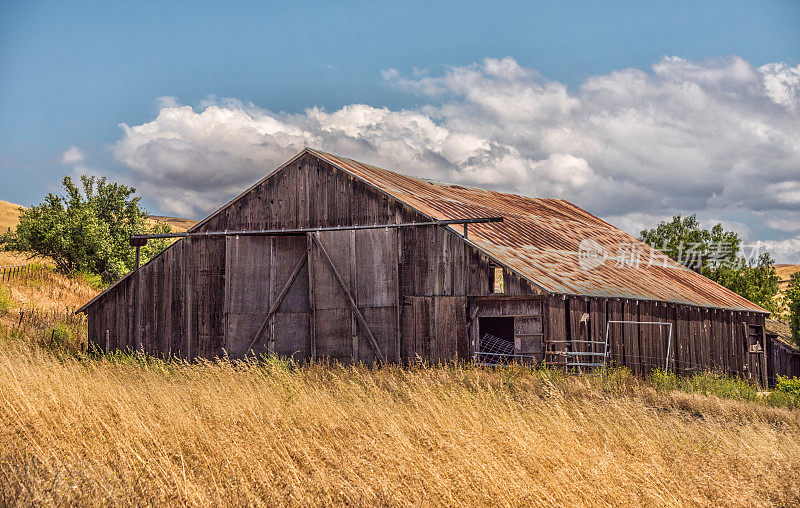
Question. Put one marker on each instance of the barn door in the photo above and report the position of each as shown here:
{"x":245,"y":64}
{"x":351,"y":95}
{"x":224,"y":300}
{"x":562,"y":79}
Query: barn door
{"x":266,"y":296}
{"x":354,"y":295}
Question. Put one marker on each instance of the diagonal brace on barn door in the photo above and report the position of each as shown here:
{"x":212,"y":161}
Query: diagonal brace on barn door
{"x":359,"y":316}
{"x":279,"y":299}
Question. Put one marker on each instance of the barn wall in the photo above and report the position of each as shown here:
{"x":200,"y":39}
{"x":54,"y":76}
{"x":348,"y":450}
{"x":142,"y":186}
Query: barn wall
{"x":183,"y":289}
{"x":702,"y":339}
{"x":434,"y":329}
{"x":110,"y":322}
{"x":438,"y":262}
{"x":782,"y":360}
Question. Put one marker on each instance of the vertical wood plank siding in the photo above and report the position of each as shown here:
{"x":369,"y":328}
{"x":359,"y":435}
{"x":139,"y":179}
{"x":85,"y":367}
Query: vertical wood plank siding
{"x":782,"y":359}
{"x":702,"y":339}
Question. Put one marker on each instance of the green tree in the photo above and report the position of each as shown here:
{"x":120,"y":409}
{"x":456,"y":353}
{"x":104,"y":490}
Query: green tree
{"x":685,"y":241}
{"x":793,"y":302}
{"x":87,"y":229}
{"x":715,"y":253}
{"x":755,"y":280}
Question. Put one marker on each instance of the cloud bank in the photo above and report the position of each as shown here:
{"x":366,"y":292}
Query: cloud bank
{"x":719,"y":138}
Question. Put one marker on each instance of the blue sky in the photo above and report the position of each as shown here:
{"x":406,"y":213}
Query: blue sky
{"x":72,"y":72}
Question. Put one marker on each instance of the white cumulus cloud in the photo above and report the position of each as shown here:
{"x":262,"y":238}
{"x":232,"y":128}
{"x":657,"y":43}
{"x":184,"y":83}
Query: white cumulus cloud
{"x":72,"y":155}
{"x":719,"y":138}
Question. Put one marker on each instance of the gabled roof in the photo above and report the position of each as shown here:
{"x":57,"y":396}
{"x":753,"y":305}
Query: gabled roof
{"x":540,"y":239}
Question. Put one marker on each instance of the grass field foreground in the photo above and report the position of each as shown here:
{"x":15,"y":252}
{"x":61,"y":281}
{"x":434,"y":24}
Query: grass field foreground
{"x":129,"y":430}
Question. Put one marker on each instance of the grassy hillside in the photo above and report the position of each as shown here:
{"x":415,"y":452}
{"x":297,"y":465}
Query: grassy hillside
{"x":177,"y":224}
{"x":784,"y":273}
{"x":9,"y":218}
{"x":131,"y":430}
{"x":33,"y":305}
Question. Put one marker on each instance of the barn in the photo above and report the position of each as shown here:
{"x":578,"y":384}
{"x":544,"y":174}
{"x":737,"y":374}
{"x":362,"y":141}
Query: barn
{"x":329,"y":258}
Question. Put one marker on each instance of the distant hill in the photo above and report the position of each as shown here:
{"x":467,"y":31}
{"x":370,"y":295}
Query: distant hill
{"x":9,"y":218}
{"x":784,"y":273}
{"x":177,"y":224}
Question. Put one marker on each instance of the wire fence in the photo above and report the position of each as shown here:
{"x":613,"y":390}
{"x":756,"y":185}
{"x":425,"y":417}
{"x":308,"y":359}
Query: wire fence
{"x":54,"y":325}
{"x":44,"y":318}
{"x":22,"y":271}
{"x":58,"y":329}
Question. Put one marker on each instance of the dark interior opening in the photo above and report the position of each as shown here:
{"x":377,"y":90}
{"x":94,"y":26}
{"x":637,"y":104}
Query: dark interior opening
{"x":496,"y":340}
{"x":500,"y":327}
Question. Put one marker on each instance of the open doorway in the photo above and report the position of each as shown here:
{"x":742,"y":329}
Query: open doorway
{"x":496,"y":339}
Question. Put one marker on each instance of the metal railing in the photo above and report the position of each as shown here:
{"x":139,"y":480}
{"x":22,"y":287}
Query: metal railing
{"x":577,"y":358}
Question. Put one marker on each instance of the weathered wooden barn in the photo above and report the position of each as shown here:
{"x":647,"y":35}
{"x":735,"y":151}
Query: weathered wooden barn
{"x":550,"y":282}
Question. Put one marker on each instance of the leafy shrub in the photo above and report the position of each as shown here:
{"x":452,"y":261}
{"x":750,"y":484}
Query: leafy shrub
{"x":786,"y":393}
{"x":59,"y":337}
{"x":664,"y":381}
{"x":706,"y":383}
{"x":87,"y":229}
{"x":788,"y":385}
{"x":91,"y":279}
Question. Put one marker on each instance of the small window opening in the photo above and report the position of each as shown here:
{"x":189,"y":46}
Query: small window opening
{"x":498,"y":284}
{"x":496,"y":339}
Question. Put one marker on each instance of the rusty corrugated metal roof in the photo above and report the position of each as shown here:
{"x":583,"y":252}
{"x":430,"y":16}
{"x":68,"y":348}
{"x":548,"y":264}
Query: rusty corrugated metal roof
{"x":540,"y":239}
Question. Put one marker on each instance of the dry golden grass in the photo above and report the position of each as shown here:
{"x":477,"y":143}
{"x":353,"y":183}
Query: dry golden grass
{"x":12,"y":258}
{"x":784,"y":273}
{"x":38,"y":307}
{"x":125,"y":432}
{"x":9,"y":216}
{"x":46,"y":290}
